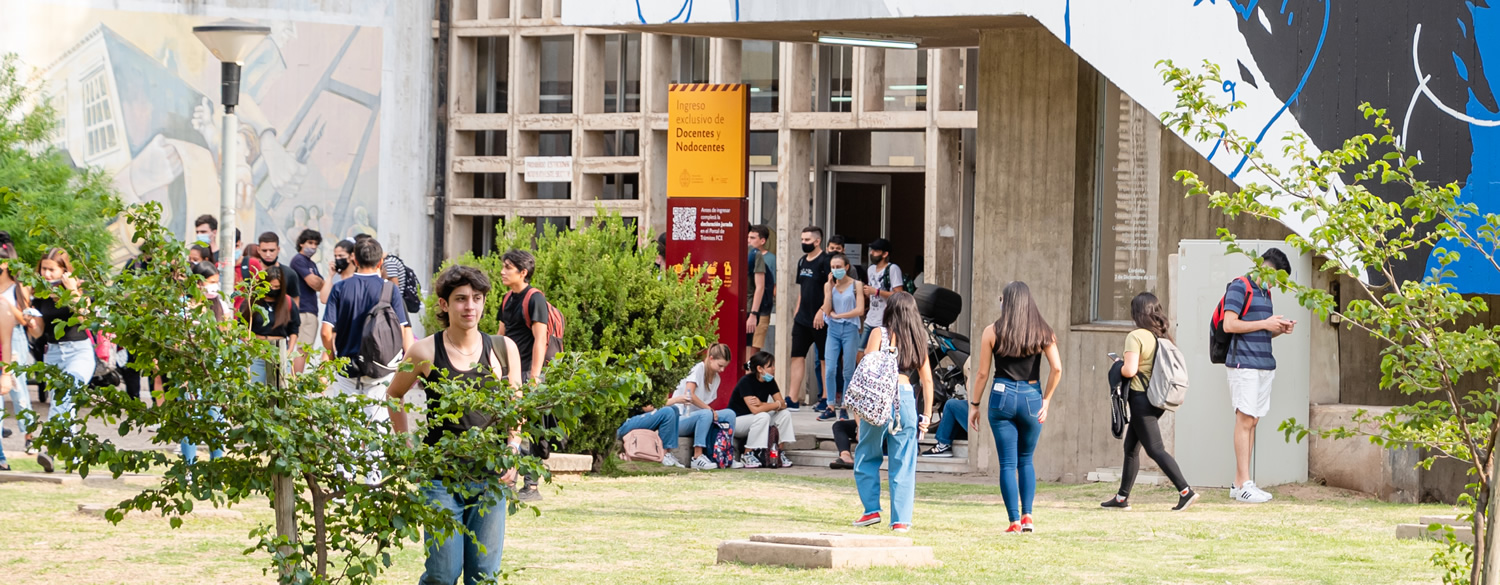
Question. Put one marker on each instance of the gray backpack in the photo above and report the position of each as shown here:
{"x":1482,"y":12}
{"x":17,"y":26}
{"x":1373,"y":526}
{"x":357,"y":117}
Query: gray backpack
{"x":1168,"y":385}
{"x":380,"y":338}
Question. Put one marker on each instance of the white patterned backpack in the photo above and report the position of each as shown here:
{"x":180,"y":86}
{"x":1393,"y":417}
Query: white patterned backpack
{"x":872,"y":390}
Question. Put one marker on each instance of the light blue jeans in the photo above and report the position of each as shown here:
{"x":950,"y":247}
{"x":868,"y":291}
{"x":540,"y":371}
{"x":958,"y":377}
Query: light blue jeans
{"x":20,"y":397}
{"x":190,"y":450}
{"x":661,"y":420}
{"x":76,"y":358}
{"x":459,"y":555}
{"x":698,"y":424}
{"x":902,"y":449}
{"x":838,"y":359}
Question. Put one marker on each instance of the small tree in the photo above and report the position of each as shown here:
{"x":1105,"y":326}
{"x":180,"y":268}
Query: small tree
{"x":78,"y":201}
{"x":1360,"y":234}
{"x":614,"y":298}
{"x":352,"y":509}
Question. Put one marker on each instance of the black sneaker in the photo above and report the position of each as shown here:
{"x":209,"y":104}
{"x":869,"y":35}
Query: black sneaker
{"x":939,"y":450}
{"x":6,"y":433}
{"x":1117,"y":503}
{"x":45,"y":461}
{"x":1185,"y":501}
{"x":793,"y":406}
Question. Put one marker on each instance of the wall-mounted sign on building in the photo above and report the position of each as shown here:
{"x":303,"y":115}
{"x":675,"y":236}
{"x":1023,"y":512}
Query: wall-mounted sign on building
{"x":549,"y":169}
{"x":707,"y":140}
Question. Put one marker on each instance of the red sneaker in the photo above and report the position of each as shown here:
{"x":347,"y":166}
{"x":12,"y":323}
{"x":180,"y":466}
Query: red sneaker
{"x":868,"y":519}
{"x":1026,"y":525}
{"x":1015,"y":527}
{"x":899,"y":527}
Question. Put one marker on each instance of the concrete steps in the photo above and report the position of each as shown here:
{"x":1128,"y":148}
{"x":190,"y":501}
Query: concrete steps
{"x":1423,"y":529}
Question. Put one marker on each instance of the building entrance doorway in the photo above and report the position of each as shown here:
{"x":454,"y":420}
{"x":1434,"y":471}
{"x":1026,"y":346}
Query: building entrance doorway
{"x":865,"y":206}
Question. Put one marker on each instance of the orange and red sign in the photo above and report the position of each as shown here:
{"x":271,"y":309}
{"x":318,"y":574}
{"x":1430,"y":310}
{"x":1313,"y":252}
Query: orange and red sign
{"x":707,"y":140}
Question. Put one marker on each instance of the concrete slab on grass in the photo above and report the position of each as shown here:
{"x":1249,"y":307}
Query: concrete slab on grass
{"x":568,"y":463}
{"x":845,"y":551}
{"x":48,"y":478}
{"x":1418,"y":531}
{"x":97,"y":510}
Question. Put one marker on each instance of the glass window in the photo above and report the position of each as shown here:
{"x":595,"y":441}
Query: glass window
{"x":621,"y":186}
{"x":763,"y":148}
{"x":557,"y":75}
{"x":485,"y":228}
{"x":489,"y":143}
{"x":99,"y":119}
{"x":491,"y":75}
{"x":881,"y":149}
{"x":554,"y":144}
{"x":969,"y":89}
{"x":905,"y":80}
{"x":690,"y":60}
{"x":622,"y":61}
{"x":622,"y":143}
{"x":760,"y":67}
{"x":489,"y":186}
{"x":835,"y":79}
{"x":1126,"y":206}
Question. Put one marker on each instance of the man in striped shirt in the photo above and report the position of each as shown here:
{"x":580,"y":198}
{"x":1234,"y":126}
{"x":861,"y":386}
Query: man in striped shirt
{"x":1251,"y":319}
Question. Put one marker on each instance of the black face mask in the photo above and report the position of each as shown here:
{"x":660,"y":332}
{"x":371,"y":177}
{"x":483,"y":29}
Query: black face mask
{"x":808,"y":248}
{"x":340,"y":264}
{"x":877,"y":258}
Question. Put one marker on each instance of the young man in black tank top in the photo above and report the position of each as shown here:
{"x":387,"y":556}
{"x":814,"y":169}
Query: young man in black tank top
{"x":463,"y":351}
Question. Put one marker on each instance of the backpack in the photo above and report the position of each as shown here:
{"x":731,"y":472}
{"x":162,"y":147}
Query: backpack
{"x":773,"y":449}
{"x":411,"y":292}
{"x":872,"y":389}
{"x":643,"y":445}
{"x":1218,"y":338}
{"x":555,"y":322}
{"x":1167,"y":387}
{"x":380,"y":338}
{"x":721,"y":444}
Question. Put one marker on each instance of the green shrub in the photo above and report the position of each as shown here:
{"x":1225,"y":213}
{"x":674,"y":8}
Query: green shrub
{"x":614,"y":299}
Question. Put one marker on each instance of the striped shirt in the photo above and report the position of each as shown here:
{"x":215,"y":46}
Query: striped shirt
{"x":1251,"y":351}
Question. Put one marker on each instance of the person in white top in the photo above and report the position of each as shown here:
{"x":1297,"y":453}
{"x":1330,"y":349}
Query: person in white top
{"x":882,"y":279}
{"x":694,"y":398}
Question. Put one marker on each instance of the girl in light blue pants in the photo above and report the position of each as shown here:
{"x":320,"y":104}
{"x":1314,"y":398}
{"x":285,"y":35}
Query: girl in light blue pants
{"x":844,"y":306}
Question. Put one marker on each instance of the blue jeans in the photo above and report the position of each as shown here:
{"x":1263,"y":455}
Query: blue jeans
{"x":76,"y":358}
{"x":661,"y":420}
{"x":1013,"y":409}
{"x":902,"y":449}
{"x":955,"y":416}
{"x":838,"y":358}
{"x":698,"y":423}
{"x":459,"y":554}
{"x":20,"y":396}
{"x":190,"y":450}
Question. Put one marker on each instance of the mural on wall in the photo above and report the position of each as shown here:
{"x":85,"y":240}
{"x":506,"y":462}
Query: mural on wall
{"x":1299,"y":66}
{"x":138,"y":96}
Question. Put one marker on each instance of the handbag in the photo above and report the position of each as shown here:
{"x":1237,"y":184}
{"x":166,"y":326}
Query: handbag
{"x":106,"y":375}
{"x":872,"y":389}
{"x":1119,"y":416}
{"x":643,"y":445}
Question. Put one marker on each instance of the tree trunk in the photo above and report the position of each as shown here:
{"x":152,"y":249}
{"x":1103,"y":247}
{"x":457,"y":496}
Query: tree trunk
{"x":1485,"y":553}
{"x":320,"y":526}
{"x":284,"y":491}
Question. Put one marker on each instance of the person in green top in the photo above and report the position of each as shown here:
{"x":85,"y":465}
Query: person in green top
{"x":1136,"y":365}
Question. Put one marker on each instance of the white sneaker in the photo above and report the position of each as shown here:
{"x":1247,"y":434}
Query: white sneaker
{"x":750,"y":461}
{"x":670,"y":460}
{"x":1249,"y":494}
{"x":703,"y":463}
{"x":785,"y":461}
{"x":736,"y":464}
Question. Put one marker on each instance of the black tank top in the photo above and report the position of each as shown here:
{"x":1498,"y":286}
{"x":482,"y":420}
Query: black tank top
{"x":441,"y":363}
{"x":1020,"y":369}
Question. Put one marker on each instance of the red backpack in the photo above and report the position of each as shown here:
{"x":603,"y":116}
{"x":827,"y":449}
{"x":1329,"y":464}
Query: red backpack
{"x":555,"y":322}
{"x":1218,"y":338}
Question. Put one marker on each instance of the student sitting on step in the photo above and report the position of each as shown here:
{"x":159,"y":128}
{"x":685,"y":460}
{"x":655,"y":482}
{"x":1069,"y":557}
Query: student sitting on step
{"x":954,"y":425}
{"x":758,"y":405}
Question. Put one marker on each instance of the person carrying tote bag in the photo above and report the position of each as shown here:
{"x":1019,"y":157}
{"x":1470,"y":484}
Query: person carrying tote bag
{"x":899,"y":349}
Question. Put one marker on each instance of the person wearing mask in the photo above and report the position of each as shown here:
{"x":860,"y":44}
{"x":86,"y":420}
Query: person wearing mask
{"x":199,"y":253}
{"x":882,"y":279}
{"x":693,"y":397}
{"x":460,"y":352}
{"x":270,"y":255}
{"x":15,"y":305}
{"x":758,"y":406}
{"x":904,"y":334}
{"x":340,"y":268}
{"x":309,"y":285}
{"x":206,"y":233}
{"x":1136,"y":364}
{"x":761,"y":294}
{"x":208,"y":281}
{"x":808,"y":327}
{"x":844,"y":305}
{"x":836,"y":245}
{"x":1016,"y":343}
{"x":249,"y":265}
{"x":1252,"y":322}
{"x":70,"y":350}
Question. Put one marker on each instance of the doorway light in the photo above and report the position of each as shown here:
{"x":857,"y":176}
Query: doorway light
{"x":918,"y":87}
{"x":867,"y":40}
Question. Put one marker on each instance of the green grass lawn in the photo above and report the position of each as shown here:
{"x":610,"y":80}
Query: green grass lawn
{"x":665,"y":529}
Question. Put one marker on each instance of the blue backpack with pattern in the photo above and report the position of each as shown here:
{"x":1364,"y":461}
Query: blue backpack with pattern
{"x":722,"y":444}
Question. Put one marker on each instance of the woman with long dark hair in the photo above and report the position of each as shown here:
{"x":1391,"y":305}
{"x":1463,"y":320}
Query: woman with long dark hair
{"x":1135,"y":365}
{"x":1016,"y":343}
{"x":903,"y":333}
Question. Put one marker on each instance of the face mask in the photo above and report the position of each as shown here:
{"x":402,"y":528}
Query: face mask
{"x":205,"y":238}
{"x":211,"y":291}
{"x":340,"y":264}
{"x":767,"y":378}
{"x":808,"y":248}
{"x":309,"y":251}
{"x":877,"y":258}
{"x":839,"y":273}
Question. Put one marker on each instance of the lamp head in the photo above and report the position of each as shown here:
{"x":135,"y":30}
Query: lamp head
{"x":231,"y":40}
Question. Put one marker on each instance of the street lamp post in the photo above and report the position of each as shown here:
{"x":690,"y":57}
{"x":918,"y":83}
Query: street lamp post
{"x":231,"y":42}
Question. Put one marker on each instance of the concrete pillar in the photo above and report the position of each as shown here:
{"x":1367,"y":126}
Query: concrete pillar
{"x":656,"y":73}
{"x":869,"y":80}
{"x":792,"y":214}
{"x":1023,"y":208}
{"x":944,"y":194}
{"x":724,"y":61}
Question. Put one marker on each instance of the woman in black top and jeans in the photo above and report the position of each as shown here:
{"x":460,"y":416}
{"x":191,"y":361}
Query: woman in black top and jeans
{"x":1016,"y":343}
{"x":71,"y":351}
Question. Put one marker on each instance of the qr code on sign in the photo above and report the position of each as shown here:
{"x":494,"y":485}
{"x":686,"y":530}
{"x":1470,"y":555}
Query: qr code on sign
{"x":684,"y":224}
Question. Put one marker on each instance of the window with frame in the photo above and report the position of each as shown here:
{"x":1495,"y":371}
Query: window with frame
{"x":622,"y":73}
{"x":1126,"y":205}
{"x":556,"y":91}
{"x":99,"y":119}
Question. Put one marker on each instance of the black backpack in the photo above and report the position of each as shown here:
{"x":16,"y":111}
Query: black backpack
{"x":411,"y":292}
{"x":380,"y":338}
{"x":1218,"y":338}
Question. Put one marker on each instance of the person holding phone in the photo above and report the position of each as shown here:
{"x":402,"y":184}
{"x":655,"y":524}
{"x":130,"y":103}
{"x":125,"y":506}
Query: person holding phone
{"x":1251,"y":319}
